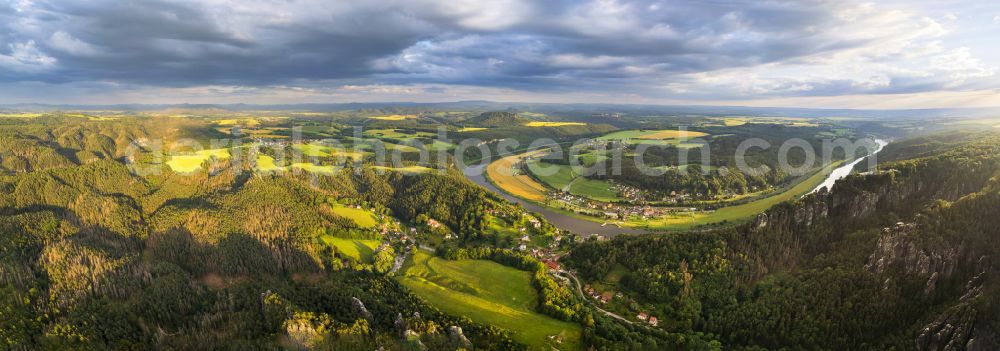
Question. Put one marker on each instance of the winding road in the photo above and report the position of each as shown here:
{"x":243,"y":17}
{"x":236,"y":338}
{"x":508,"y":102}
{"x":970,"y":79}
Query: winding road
{"x":579,"y":291}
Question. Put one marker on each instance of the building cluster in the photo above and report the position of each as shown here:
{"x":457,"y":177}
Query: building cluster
{"x":648,"y":319}
{"x":602,"y":297}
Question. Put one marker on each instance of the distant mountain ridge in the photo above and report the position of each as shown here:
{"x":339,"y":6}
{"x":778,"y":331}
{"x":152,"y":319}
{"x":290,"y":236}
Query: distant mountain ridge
{"x":634,"y":109}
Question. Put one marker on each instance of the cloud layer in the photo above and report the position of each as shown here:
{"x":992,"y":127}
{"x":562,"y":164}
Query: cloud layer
{"x":649,"y":50}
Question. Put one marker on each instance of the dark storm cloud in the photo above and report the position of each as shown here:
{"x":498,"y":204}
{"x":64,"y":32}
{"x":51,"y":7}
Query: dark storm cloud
{"x":550,"y":45}
{"x":164,"y":43}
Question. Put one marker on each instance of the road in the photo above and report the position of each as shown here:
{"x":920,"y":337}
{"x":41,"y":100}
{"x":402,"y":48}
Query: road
{"x":583,"y":296}
{"x":398,"y":263}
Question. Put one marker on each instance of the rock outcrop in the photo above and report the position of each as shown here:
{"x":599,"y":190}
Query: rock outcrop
{"x":959,"y":327}
{"x":359,"y":308}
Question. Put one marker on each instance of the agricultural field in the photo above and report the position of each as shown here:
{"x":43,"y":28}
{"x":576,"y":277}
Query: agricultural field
{"x":786,"y":121}
{"x":248,"y":122}
{"x":192,"y":162}
{"x":394,"y":117}
{"x":318,"y":150}
{"x":369,"y":144}
{"x":409,"y":138}
{"x":396,"y":134}
{"x":471,"y":129}
{"x":489,"y":293}
{"x":656,"y":137}
{"x":553,"y":124}
{"x":20,"y":115}
{"x":319,"y":131}
{"x":360,"y":250}
{"x":502,"y":174}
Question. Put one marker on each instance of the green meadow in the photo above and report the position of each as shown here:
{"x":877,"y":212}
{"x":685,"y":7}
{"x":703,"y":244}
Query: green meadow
{"x":265,"y":163}
{"x":489,"y":293}
{"x":360,"y":250}
{"x":595,"y":189}
{"x":566,"y":179}
{"x":192,"y":162}
{"x":362,"y":218}
{"x":555,"y":176}
{"x":369,"y":144}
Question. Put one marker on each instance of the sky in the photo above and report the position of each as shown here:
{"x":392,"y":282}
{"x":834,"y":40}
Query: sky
{"x":799,"y":53}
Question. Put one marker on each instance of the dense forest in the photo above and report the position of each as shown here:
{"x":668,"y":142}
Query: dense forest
{"x":902,"y":258}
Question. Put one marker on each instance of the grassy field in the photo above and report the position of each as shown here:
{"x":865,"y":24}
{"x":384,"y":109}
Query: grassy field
{"x":368,"y":144}
{"x":317,"y":150}
{"x":471,"y":129}
{"x":440,"y":145}
{"x":560,"y":179}
{"x":361,"y":250}
{"x":362,"y":218}
{"x":396,"y":134}
{"x":594,"y":189}
{"x":500,"y":172}
{"x":566,"y":179}
{"x":554,"y":124}
{"x":409,"y":138}
{"x":737,"y":212}
{"x":488,"y":293}
{"x":192,"y":162}
{"x":265,"y":163}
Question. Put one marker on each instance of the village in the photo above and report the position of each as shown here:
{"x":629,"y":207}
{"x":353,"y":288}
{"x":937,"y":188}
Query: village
{"x":614,"y":210}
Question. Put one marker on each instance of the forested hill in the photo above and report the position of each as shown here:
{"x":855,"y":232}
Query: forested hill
{"x":905,"y":258}
{"x":497,"y":119}
{"x":94,"y":256}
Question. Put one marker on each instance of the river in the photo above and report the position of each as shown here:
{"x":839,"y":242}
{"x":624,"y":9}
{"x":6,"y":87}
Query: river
{"x":477,"y":174}
{"x":845,"y":170}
